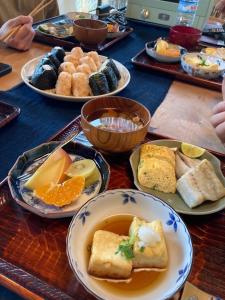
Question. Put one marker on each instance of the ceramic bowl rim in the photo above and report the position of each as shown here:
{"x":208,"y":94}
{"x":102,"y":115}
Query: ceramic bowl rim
{"x":90,"y":28}
{"x":69,"y":232}
{"x":146,"y":124}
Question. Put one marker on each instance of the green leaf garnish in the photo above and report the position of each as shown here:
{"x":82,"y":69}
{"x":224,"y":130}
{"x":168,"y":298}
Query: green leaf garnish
{"x":142,"y":249}
{"x":203,"y":62}
{"x":126,"y":249}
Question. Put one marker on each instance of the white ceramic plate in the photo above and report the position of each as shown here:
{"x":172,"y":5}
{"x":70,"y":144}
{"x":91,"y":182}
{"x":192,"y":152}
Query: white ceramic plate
{"x":145,"y":206}
{"x":175,"y":200}
{"x":29,"y":67}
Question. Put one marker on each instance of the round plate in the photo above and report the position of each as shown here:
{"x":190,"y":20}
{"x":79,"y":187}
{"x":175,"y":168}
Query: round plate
{"x":29,"y":161}
{"x":149,"y":208}
{"x":175,"y":200}
{"x":29,"y":67}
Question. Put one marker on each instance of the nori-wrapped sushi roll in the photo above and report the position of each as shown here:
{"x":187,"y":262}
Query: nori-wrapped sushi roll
{"x":52,"y":57}
{"x":111,"y":77}
{"x":110,"y":63}
{"x":98,"y":84}
{"x":59,"y":52}
{"x":44,"y":78}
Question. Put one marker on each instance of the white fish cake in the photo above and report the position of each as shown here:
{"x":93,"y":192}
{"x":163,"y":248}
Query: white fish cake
{"x":153,"y":256}
{"x":77,"y":52}
{"x":200,"y":184}
{"x":70,"y":58}
{"x":89,"y":61}
{"x":80,"y":85}
{"x":94,"y":55}
{"x":67,"y":67}
{"x":84,"y":68}
{"x":104,"y":262}
{"x":64,"y":84}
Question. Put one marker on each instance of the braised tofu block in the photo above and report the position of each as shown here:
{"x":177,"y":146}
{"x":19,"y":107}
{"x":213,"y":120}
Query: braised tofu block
{"x":149,"y":244}
{"x":105,"y":261}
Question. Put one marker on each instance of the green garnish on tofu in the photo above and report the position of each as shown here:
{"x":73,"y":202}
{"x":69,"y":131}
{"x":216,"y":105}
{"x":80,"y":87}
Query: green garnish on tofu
{"x":126,"y":249}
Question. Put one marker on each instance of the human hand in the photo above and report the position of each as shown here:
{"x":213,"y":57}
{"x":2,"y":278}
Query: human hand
{"x":218,"y":117}
{"x":23,"y":37}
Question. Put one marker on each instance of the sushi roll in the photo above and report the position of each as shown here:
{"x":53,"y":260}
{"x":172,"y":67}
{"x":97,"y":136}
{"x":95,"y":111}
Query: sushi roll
{"x":44,"y":78}
{"x":98,"y":84}
{"x":110,"y":63}
{"x":59,"y":52}
{"x":111,"y":77}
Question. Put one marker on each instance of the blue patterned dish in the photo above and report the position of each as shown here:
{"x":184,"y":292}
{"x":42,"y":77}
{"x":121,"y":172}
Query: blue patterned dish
{"x":29,"y":161}
{"x":197,"y":71}
{"x":143,"y":205}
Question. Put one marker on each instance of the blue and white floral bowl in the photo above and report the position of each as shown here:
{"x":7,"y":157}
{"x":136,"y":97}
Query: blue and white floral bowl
{"x":201,"y":72}
{"x":145,"y":206}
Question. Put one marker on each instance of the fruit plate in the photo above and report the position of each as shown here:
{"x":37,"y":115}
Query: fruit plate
{"x":175,"y":200}
{"x":29,"y":67}
{"x":28,"y":163}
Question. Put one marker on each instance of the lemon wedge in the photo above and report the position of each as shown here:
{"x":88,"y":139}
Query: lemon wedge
{"x":191,"y":150}
{"x":83,"y":167}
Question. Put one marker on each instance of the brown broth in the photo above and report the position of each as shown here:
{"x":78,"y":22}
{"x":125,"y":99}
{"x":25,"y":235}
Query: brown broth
{"x":115,"y":120}
{"x":141,"y":281}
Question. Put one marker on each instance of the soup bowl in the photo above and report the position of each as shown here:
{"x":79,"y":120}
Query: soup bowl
{"x":185,"y":36}
{"x":147,"y":207}
{"x":110,"y":141}
{"x":89,"y":31}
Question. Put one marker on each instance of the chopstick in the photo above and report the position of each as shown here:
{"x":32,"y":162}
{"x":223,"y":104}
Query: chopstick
{"x":42,"y":5}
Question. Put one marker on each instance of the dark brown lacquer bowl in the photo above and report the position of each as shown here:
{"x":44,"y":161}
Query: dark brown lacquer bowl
{"x":90,"y":32}
{"x":111,"y":141}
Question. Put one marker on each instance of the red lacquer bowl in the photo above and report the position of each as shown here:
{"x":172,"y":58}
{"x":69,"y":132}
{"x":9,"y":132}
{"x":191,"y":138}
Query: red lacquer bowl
{"x":187,"y":37}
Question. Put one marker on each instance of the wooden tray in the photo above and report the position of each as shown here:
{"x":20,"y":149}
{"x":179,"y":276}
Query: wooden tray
{"x":33,"y":259}
{"x":7,"y":113}
{"x":175,"y":70}
{"x":70,"y":42}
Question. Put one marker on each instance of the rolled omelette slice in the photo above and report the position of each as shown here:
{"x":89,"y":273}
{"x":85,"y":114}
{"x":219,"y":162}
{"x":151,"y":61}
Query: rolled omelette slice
{"x":150,"y":251}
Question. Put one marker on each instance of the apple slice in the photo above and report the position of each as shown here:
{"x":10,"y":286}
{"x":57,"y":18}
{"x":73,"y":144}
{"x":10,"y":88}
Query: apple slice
{"x":51,"y":171}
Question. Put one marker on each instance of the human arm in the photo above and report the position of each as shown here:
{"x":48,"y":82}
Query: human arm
{"x":23,"y":37}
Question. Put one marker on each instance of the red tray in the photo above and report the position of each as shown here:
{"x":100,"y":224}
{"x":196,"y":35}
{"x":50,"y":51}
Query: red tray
{"x":33,"y":259}
{"x":175,"y":70}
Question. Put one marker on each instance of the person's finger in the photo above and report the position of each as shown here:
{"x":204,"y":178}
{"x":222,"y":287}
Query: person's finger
{"x":220,"y":107}
{"x":20,"y":20}
{"x":220,"y":131}
{"x":23,"y":39}
{"x":218,"y":119}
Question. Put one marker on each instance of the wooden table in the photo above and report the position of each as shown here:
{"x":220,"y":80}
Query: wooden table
{"x":17,"y":59}
{"x":45,"y":239}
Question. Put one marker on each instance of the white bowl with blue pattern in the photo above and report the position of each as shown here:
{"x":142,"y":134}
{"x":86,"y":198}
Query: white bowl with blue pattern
{"x":194,"y":70}
{"x":145,"y":206}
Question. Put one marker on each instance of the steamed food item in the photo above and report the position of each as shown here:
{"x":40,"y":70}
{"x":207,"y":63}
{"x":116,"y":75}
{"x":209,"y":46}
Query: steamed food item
{"x":105,"y":262}
{"x":64,"y":84}
{"x":67,"y":67}
{"x":156,"y":168}
{"x":166,"y":49}
{"x":200,"y":184}
{"x":80,"y":85}
{"x":149,"y":244}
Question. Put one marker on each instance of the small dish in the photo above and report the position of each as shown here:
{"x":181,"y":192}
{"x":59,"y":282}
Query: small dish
{"x":60,"y":31}
{"x":175,"y":200}
{"x":29,"y":68}
{"x":198,"y":71}
{"x":28,"y":163}
{"x":150,"y":50}
{"x":147,"y":207}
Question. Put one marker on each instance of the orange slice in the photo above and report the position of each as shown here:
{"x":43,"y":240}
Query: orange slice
{"x":61,"y":194}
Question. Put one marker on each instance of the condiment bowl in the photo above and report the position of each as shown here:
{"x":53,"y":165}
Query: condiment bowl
{"x":147,"y":207}
{"x":112,"y":141}
{"x":202,"y":72}
{"x":89,"y":31}
{"x":185,"y":36}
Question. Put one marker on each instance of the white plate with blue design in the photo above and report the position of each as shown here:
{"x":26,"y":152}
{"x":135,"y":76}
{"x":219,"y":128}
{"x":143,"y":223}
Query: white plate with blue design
{"x":145,"y":206}
{"x":28,"y":163}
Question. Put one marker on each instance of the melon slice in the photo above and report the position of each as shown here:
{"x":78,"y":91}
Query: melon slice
{"x":51,"y":171}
